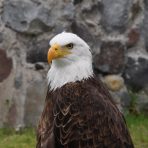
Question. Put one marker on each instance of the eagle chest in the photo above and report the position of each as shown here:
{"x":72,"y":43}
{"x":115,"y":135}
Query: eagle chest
{"x":70,"y":109}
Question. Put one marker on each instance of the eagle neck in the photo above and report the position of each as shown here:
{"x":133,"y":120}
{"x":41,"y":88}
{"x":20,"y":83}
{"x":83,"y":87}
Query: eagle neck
{"x":59,"y":75}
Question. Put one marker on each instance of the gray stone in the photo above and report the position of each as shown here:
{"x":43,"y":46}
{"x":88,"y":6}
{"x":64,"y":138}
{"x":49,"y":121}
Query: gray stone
{"x":146,"y":90}
{"x":35,"y":97}
{"x":133,"y":37}
{"x":88,"y":14}
{"x":135,"y":10}
{"x":18,"y":81}
{"x":75,"y":2}
{"x":5,"y":65}
{"x":136,"y":73}
{"x":39,"y":66}
{"x":37,"y":51}
{"x":1,"y":37}
{"x":125,"y":98}
{"x":6,"y":95}
{"x":26,"y":17}
{"x":122,"y":99}
{"x":118,"y":90}
{"x":117,"y":100}
{"x":12,"y":115}
{"x":114,"y":82}
{"x":111,"y":59}
{"x":145,"y":24}
{"x":115,"y":14}
{"x":80,"y":30}
{"x":146,"y":3}
{"x":142,"y":103}
{"x":15,"y":102}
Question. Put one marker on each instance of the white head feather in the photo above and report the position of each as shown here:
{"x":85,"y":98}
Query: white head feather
{"x":75,"y":66}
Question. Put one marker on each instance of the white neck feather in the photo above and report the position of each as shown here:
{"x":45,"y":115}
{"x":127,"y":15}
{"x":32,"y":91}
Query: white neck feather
{"x":59,"y":74}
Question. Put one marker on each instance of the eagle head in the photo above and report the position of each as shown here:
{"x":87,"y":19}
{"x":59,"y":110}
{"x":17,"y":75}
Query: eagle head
{"x":71,"y":59}
{"x":68,"y":47}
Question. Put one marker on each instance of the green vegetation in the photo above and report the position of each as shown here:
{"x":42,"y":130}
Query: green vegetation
{"x":9,"y":138}
{"x":138,"y":126}
{"x":133,"y":103}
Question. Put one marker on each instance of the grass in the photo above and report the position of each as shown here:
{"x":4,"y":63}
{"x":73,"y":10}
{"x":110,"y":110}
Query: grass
{"x":138,"y":126}
{"x":9,"y":138}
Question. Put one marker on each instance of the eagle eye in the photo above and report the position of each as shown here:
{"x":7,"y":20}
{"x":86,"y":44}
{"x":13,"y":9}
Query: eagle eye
{"x":69,"y":46}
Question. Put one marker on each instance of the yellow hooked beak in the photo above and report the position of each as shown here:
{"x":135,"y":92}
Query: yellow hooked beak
{"x":56,"y":51}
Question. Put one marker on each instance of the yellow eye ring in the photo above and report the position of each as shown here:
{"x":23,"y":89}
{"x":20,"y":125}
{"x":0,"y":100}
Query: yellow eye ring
{"x":69,"y":46}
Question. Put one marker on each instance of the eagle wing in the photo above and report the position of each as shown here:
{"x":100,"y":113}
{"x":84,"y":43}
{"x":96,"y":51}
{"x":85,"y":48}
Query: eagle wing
{"x":85,"y":116}
{"x":45,"y":136}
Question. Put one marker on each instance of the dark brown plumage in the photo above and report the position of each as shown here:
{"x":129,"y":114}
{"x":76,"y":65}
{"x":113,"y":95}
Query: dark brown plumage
{"x":82,"y":115}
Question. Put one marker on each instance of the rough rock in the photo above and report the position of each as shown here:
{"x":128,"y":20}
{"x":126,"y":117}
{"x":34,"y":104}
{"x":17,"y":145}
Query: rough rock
{"x":136,"y":71}
{"x":118,"y":90}
{"x":117,"y":100}
{"x":146,"y":90}
{"x":115,"y":14}
{"x":142,"y":103}
{"x":6,"y":93}
{"x":25,"y":16}
{"x":122,"y":99}
{"x":125,"y":98}
{"x":18,"y":97}
{"x":75,"y":2}
{"x":31,"y":17}
{"x":133,"y":37}
{"x":145,"y":24}
{"x":4,"y":70}
{"x":12,"y":115}
{"x":1,"y":37}
{"x":114,"y":82}
{"x":135,"y":9}
{"x":111,"y":59}
{"x":80,"y":30}
{"x":139,"y":102}
{"x":37,"y":51}
{"x":39,"y":66}
{"x":35,"y":97}
{"x":88,"y":13}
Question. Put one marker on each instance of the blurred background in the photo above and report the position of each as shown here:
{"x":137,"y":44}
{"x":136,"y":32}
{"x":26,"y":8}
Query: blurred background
{"x":116,"y":30}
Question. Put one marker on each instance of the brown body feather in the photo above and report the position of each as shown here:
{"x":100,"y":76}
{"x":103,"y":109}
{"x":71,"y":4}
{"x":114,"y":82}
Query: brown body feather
{"x":82,"y":115}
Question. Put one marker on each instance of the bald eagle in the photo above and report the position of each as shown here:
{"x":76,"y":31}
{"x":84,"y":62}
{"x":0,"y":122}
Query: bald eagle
{"x":79,"y":112}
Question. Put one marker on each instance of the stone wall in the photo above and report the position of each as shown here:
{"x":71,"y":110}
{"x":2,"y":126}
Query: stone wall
{"x":116,"y":30}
